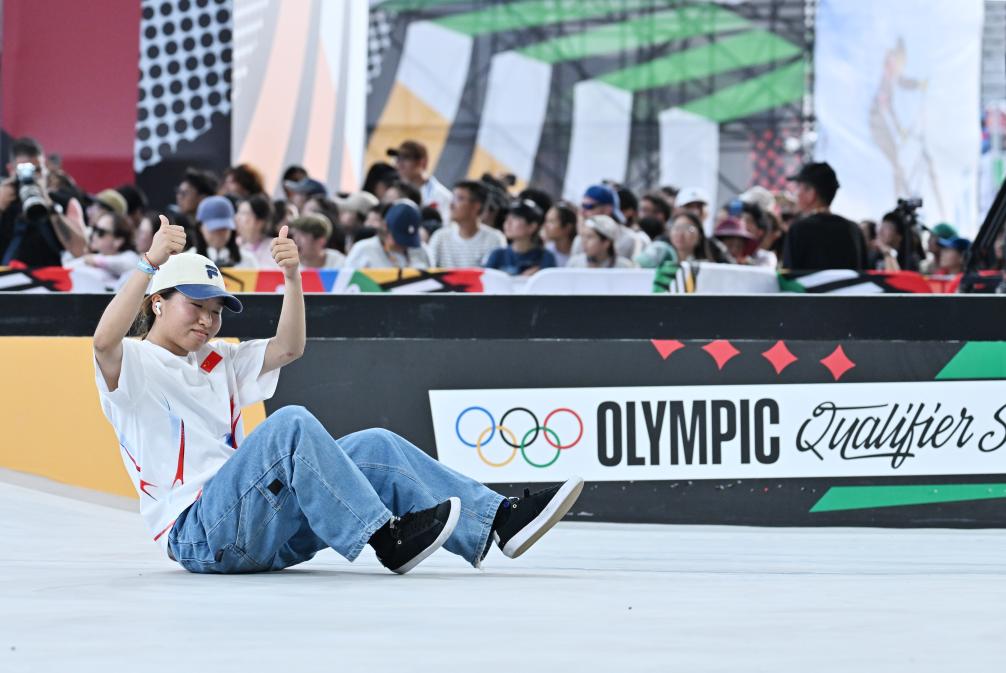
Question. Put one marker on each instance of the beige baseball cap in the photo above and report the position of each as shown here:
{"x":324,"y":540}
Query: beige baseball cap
{"x":604,"y":225}
{"x":195,"y":276}
{"x":358,"y":202}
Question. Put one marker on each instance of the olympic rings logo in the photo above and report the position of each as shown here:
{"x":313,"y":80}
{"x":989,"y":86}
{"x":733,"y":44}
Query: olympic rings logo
{"x":509,"y":437}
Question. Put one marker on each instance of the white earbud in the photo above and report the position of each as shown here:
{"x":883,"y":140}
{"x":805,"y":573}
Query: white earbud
{"x":157,"y":307}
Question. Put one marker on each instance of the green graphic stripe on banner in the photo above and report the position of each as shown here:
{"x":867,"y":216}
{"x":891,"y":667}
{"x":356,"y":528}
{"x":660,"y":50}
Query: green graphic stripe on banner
{"x":740,"y":51}
{"x":788,"y":285}
{"x":498,"y":18}
{"x":413,"y":5}
{"x":643,"y":32}
{"x":977,"y":360}
{"x":841,"y":498}
{"x":779,"y":87}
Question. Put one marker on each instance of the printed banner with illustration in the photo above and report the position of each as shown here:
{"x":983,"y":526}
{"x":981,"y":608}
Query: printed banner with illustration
{"x":723,"y":432}
{"x":896,"y":90}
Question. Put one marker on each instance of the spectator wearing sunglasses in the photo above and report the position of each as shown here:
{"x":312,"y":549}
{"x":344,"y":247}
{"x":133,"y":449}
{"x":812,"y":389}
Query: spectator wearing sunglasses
{"x":112,"y":252}
{"x":602,"y":199}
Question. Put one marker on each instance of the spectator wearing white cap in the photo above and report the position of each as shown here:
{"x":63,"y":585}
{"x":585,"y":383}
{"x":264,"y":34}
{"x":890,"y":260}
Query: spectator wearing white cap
{"x":311,"y":233}
{"x":598,"y":240}
{"x":602,"y":199}
{"x":353,"y":211}
{"x":695,"y":200}
{"x":396,"y":245}
{"x":219,"y":242}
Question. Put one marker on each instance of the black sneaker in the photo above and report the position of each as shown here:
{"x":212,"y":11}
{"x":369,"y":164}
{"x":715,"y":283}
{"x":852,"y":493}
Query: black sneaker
{"x":402,"y":543}
{"x":524,"y":520}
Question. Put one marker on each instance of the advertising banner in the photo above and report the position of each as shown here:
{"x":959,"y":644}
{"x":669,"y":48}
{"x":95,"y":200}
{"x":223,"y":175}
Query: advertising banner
{"x":896,"y":92}
{"x":723,"y":432}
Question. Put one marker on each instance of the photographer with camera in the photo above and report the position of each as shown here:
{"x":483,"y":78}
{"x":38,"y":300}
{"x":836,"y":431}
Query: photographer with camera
{"x":35,"y":229}
{"x":896,"y":242}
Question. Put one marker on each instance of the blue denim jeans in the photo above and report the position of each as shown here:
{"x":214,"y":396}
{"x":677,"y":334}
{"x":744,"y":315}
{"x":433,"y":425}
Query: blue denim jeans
{"x":291,"y":490}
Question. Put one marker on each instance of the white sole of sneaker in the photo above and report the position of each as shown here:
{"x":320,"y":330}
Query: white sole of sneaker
{"x":452,"y":522}
{"x":556,"y":508}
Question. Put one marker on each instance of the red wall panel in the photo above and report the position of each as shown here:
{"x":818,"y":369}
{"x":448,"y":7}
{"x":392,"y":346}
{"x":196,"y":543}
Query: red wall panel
{"x":70,"y":77}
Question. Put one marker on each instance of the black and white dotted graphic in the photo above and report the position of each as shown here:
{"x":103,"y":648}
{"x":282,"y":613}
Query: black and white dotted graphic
{"x":185,"y":74}
{"x":378,"y":41}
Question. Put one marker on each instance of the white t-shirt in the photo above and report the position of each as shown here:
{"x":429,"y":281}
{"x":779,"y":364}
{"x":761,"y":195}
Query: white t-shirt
{"x":561,"y":258}
{"x":451,"y":251}
{"x":436,"y":194}
{"x":178,"y":419}
{"x":261,"y":253}
{"x":370,"y":254}
{"x":110,"y":268}
{"x":333,"y":259}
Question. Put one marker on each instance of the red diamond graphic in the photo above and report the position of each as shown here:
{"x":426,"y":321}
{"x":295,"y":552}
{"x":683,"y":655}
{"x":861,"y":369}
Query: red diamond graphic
{"x":779,"y":356}
{"x":721,"y":351}
{"x":666,"y":348}
{"x":838,"y":363}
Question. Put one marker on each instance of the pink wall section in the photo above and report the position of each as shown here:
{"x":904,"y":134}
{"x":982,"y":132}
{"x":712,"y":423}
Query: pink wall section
{"x":69,"y":78}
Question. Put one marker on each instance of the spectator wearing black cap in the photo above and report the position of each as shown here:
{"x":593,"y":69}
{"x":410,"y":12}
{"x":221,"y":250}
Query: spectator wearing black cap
{"x":396,"y":245}
{"x":819,"y":239}
{"x":412,"y":161}
{"x":526,"y":253}
{"x":465,"y":242}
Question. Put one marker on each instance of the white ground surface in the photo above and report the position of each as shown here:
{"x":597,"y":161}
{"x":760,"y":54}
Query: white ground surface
{"x":83,"y":589}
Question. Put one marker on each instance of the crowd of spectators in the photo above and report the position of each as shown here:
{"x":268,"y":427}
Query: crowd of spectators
{"x":404,"y":217}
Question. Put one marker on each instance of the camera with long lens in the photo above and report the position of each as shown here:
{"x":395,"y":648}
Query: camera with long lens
{"x":908,"y":209}
{"x":33,"y":201}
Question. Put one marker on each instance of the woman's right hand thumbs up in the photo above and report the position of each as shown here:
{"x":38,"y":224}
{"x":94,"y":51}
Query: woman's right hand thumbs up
{"x":168,"y":240}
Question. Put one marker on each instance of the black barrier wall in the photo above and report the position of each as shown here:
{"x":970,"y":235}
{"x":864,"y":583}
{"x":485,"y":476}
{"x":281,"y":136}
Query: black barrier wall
{"x":371,"y":361}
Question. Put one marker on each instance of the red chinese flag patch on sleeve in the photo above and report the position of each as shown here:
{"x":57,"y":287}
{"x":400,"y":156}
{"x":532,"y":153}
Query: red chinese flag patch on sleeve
{"x":211,"y":361}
